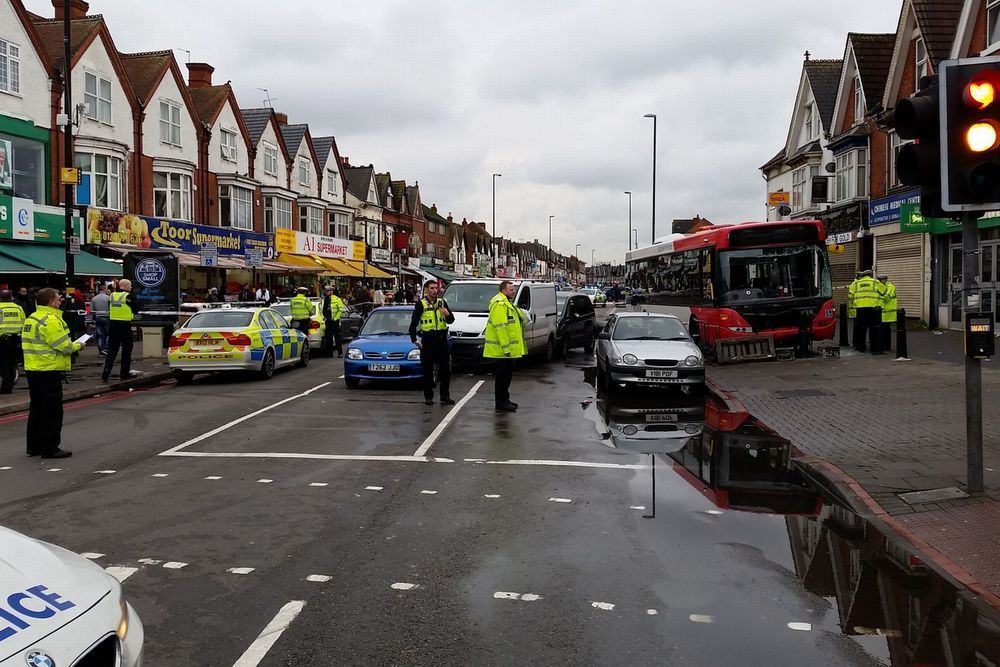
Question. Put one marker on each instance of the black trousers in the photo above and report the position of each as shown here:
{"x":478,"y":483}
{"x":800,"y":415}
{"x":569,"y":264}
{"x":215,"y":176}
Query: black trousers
{"x":332,"y":338}
{"x":119,"y":338}
{"x":434,"y":350}
{"x":8,"y":362}
{"x":870,"y":320}
{"x":503,"y":376}
{"x":887,"y":336}
{"x":45,"y":412}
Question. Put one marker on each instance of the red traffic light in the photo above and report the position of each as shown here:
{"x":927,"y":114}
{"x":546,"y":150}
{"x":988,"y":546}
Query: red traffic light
{"x":979,"y":93}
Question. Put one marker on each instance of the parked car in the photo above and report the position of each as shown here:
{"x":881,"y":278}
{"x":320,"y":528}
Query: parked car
{"x":649,"y":424}
{"x":350,"y":321}
{"x":61,"y":609}
{"x":576,"y":323}
{"x":383,"y":350}
{"x":596,"y":296}
{"x":647,"y":349}
{"x":235,"y":339}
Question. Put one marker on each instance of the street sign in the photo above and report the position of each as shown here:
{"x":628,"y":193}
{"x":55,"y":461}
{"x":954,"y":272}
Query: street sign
{"x":254,"y":257}
{"x":74,"y":245}
{"x":779,"y":198}
{"x":979,"y":339}
{"x":69,"y":176}
{"x":209,"y":255}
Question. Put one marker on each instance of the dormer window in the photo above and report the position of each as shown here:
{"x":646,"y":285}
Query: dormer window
{"x":807,"y":123}
{"x":270,"y":159}
{"x":10,"y":67}
{"x":227,"y":140}
{"x":923,"y":67}
{"x":304,"y":176}
{"x":859,"y":100}
{"x":97,"y":97}
{"x":331,"y":182}
{"x":170,"y":123}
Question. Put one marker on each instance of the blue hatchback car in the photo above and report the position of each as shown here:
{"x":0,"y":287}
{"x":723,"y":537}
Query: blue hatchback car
{"x":382,"y":349}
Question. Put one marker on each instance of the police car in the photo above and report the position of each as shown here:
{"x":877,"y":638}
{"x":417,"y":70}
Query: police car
{"x":58,"y":609}
{"x":235,"y":339}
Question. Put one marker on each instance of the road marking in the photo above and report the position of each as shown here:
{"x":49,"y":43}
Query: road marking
{"x":53,"y":470}
{"x":637,"y":507}
{"x":475,"y":460}
{"x":121,"y":573}
{"x":150,"y":561}
{"x":436,"y":433}
{"x":240,"y":570}
{"x":569,"y":464}
{"x":240,"y":420}
{"x":606,"y":606}
{"x":652,"y":612}
{"x":491,"y":495}
{"x":270,"y":635}
{"x":340,"y":377}
{"x":297,"y":455}
{"x":264,"y":481}
{"x":213,"y":477}
{"x":159,"y":474}
{"x":319,"y":484}
{"x":91,"y":556}
{"x":403,"y":586}
{"x":429,"y":493}
{"x":531,"y":597}
{"x":5,"y":468}
{"x":319,"y":578}
{"x":701,"y":618}
{"x":373,"y":488}
{"x":560,"y":500}
{"x":804,"y":627}
{"x":105,"y":472}
{"x":713,"y":512}
{"x":507,"y":595}
{"x":174,"y":565}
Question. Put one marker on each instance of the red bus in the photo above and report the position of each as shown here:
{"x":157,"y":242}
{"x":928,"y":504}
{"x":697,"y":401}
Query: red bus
{"x":752,"y":278}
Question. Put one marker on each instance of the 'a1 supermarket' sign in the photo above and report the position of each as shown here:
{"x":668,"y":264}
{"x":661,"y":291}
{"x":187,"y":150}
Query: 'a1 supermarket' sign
{"x":301,"y":243}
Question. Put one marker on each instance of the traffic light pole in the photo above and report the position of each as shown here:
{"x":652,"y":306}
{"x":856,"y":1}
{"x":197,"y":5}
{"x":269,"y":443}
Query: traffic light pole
{"x":973,"y":372}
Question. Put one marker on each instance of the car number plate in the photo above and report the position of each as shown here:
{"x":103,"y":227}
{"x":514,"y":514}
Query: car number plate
{"x":661,"y":374}
{"x":383,"y":368}
{"x":661,"y":418}
{"x":208,"y":342}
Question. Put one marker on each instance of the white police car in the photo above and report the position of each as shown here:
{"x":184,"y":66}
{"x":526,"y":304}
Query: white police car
{"x":58,"y":609}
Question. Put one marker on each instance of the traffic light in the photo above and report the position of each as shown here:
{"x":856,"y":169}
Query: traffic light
{"x":970,"y":124}
{"x":919,"y":163}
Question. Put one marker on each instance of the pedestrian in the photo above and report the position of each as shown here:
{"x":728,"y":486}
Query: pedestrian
{"x":11,"y":324}
{"x":246,"y":294}
{"x":408,"y":293}
{"x":100,"y":308}
{"x":868,"y":302}
{"x":889,"y":304}
{"x":74,"y":312}
{"x":213,"y":295}
{"x":333,"y":309}
{"x":431,"y":316}
{"x":47,"y":358}
{"x":504,"y":342}
{"x":25,"y":299}
{"x":852,"y":313}
{"x":263,"y":294}
{"x":301,"y":310}
{"x":379,"y":298}
{"x":120,"y":337}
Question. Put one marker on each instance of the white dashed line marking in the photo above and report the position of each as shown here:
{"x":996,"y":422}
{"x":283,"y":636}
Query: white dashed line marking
{"x":713,"y":512}
{"x":150,"y":561}
{"x":54,"y":470}
{"x":213,"y":477}
{"x":319,"y":578}
{"x":91,"y":556}
{"x":240,"y":570}
{"x":491,"y":495}
{"x":319,"y":484}
{"x":637,"y":507}
{"x":174,"y":565}
{"x":270,"y":635}
{"x":652,"y":612}
{"x":507,"y":595}
{"x":403,"y":586}
{"x":105,"y":472}
{"x":475,"y":460}
{"x":606,"y":606}
{"x":701,"y":618}
{"x":373,"y":488}
{"x":340,"y":377}
{"x":560,"y":500}
{"x":531,"y":597}
{"x":121,"y":573}
{"x":5,"y":467}
{"x":159,"y":474}
{"x":428,"y":492}
{"x":264,"y":481}
{"x":804,"y":627}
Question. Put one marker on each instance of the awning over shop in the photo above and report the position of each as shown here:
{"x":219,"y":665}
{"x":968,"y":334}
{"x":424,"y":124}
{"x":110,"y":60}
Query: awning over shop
{"x":52,"y":259}
{"x":440,"y":274}
{"x":339,"y":267}
{"x":304,"y":264}
{"x":371,"y":271}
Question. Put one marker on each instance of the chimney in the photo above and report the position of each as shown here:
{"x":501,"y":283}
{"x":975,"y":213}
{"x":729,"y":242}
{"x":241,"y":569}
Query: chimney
{"x":199,"y":75}
{"x":345,"y":160}
{"x":77,"y":9}
{"x":282,"y":118}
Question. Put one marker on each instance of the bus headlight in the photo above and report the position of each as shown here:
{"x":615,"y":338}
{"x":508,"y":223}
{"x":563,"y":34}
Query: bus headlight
{"x":692,"y":361}
{"x":630,"y":359}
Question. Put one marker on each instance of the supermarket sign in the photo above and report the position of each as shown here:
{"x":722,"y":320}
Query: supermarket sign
{"x":301,"y":243}
{"x":24,"y":220}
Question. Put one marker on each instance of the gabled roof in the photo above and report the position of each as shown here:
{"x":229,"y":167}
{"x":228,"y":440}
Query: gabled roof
{"x":358,"y":180}
{"x":413,"y":199}
{"x":50,"y":32}
{"x":27,"y":22}
{"x":145,"y":71}
{"x":209,"y":100}
{"x":823,"y":76}
{"x":383,"y":188}
{"x":430,"y":213}
{"x":873,"y":55}
{"x":293,"y":134}
{"x":256,"y":120}
{"x":323,"y":146}
{"x":938,"y":20}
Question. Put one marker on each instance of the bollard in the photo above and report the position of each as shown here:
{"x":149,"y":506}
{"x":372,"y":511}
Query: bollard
{"x":901,"y":351}
{"x":843,"y":325}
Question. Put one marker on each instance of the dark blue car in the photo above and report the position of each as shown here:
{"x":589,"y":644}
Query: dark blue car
{"x":382,"y":349}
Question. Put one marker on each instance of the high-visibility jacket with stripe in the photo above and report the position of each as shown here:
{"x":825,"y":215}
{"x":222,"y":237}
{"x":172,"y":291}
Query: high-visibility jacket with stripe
{"x":430,"y":318}
{"x":889,"y":302}
{"x":45,"y":341}
{"x":866,"y":293}
{"x":504,"y":334}
{"x":301,"y":307}
{"x":337,"y":308}
{"x":852,"y":311}
{"x":120,"y":310}
{"x":13,"y":318}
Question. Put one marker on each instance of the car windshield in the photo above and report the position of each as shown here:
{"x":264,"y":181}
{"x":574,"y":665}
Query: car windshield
{"x":470,"y":297}
{"x":387,"y":323}
{"x":283,"y":309}
{"x":220,"y":319}
{"x":561,"y":303}
{"x":649,"y":328}
{"x":589,"y":291}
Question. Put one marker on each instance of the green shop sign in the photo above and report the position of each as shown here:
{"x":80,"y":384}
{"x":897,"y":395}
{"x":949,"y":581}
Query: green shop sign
{"x":24,"y":220}
{"x":912,"y":222}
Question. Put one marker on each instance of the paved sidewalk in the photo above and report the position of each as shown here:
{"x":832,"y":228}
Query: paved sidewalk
{"x":85,"y":379}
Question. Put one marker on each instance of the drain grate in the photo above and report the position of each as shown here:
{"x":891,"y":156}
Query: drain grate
{"x":933,"y":495}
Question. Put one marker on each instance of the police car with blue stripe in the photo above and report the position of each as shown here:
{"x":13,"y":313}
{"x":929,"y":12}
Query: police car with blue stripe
{"x":58,"y":609}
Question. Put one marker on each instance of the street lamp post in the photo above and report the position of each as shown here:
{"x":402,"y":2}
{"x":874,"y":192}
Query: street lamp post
{"x":550,"y":246}
{"x":495,"y":176}
{"x":635,"y":237}
{"x":68,"y":160}
{"x":653,"y":116}
{"x":628,"y":242}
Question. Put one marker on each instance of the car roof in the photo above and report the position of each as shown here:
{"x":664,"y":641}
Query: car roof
{"x":647,"y":314}
{"x":394,"y":307}
{"x":244,"y":309}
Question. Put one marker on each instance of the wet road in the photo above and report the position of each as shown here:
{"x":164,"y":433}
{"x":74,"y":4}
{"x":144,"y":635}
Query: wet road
{"x":499,"y":539}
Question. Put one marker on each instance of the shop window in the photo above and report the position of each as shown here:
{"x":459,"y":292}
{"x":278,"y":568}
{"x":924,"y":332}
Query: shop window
{"x":171,"y":195}
{"x":22,"y":168}
{"x":270,"y":159}
{"x":10,"y":67}
{"x":105,"y":174}
{"x":97,"y":97}
{"x":235,"y":207}
{"x":170,"y":123}
{"x":227,"y":141}
{"x":277,"y":213}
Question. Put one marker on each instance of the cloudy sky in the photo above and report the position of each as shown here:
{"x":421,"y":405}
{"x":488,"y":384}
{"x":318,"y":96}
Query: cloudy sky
{"x":549,"y":93}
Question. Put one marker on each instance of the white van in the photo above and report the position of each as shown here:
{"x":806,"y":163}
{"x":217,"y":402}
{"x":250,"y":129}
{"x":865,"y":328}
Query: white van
{"x":470,"y":299}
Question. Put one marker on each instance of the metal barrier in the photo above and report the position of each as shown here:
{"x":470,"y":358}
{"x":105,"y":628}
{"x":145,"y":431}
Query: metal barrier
{"x":748,"y":348}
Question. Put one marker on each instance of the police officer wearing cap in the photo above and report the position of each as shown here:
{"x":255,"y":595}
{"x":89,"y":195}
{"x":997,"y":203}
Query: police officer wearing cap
{"x":868,"y":302}
{"x":120,"y":334}
{"x":301,"y":310}
{"x":10,"y":339}
{"x":431,"y":316}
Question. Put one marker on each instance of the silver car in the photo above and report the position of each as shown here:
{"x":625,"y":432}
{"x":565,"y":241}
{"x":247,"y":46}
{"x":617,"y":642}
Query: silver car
{"x":647,"y":349}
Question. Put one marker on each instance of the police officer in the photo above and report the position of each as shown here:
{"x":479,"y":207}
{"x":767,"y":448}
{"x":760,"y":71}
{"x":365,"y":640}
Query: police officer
{"x":504,"y":342}
{"x":333,"y":310}
{"x":868,"y":302}
{"x":302,"y":310}
{"x":122,"y":305}
{"x":431,"y":315}
{"x":10,"y":339}
{"x":47,"y":357}
{"x":889,"y":304}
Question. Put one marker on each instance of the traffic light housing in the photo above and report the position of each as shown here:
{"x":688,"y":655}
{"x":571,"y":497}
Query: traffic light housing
{"x":970,"y":128}
{"x":919,"y":163}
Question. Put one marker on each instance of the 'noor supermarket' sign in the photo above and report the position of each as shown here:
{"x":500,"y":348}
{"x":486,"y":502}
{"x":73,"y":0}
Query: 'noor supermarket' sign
{"x":301,"y":243}
{"x":162,"y":234}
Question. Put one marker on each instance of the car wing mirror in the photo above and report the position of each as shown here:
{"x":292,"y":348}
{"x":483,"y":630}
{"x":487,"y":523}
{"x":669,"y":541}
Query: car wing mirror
{"x":603,"y":335}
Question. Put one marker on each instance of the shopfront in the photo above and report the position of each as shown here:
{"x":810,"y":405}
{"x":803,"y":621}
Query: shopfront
{"x":24,"y":161}
{"x":843,"y":225}
{"x":337,"y":261}
{"x":904,"y":257}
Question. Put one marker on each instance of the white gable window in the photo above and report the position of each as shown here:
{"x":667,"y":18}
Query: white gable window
{"x":807,"y":123}
{"x":331,"y":181}
{"x":798,"y":189}
{"x":852,"y":175}
{"x":895,"y":143}
{"x":10,"y":67}
{"x":277,"y":213}
{"x":97,"y":97}
{"x":170,"y":123}
{"x":992,"y":22}
{"x":171,"y":195}
{"x":304,"y":175}
{"x":270,"y":159}
{"x":105,"y":174}
{"x":227,"y":141}
{"x":921,"y":61}
{"x":372,"y":197}
{"x":859,"y":100}
{"x":235,"y":207}
{"x":311,"y":219}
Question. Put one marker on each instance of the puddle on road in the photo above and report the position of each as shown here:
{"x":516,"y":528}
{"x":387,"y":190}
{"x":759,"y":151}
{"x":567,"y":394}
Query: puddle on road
{"x":881,"y":594}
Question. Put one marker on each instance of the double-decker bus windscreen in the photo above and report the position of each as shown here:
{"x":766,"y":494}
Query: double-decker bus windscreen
{"x":789,"y":272}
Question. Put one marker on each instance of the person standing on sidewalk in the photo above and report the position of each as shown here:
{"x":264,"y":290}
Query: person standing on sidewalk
{"x":504,"y":342}
{"x":122,"y":305}
{"x":868,"y":301}
{"x":889,"y":304}
{"x":100,"y":308}
{"x":10,"y":339}
{"x":431,"y":316}
{"x":333,"y":309}
{"x":47,"y":358}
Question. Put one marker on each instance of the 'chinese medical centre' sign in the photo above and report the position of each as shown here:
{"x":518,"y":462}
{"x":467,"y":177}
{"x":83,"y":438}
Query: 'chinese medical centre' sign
{"x":301,"y":243}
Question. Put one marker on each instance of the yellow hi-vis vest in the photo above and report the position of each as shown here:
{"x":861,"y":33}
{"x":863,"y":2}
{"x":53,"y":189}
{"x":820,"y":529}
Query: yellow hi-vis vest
{"x":889,"y":303}
{"x":45,"y":341}
{"x":852,"y":311}
{"x":13,"y":318}
{"x":336,"y":308}
{"x":120,"y":310}
{"x":866,"y":294}
{"x":504,"y":335}
{"x":430,"y":318}
{"x":301,"y":307}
